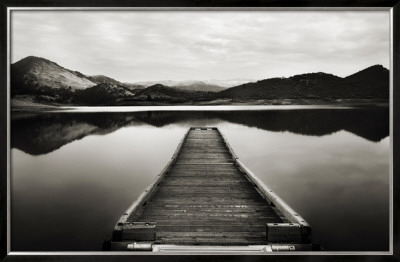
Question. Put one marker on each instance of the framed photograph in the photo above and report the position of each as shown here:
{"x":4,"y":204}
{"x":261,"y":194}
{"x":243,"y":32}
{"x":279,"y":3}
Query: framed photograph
{"x":224,"y":130}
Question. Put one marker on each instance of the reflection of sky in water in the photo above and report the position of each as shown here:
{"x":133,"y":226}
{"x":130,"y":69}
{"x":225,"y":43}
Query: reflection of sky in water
{"x":339,"y":183}
{"x":79,"y":191}
{"x":71,"y":198}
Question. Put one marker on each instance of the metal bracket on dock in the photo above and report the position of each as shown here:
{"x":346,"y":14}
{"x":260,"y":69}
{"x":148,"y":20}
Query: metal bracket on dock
{"x":131,"y":246}
{"x":288,"y":233}
{"x":135,"y":246}
{"x":135,"y":231}
{"x":133,"y":236}
{"x":277,"y":248}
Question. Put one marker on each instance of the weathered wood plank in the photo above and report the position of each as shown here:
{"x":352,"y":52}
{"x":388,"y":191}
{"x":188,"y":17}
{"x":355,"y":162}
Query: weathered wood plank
{"x":223,"y":170}
{"x":215,"y":234}
{"x":204,"y":161}
{"x":204,"y":200}
{"x":205,"y":174}
{"x":187,"y":182}
{"x":208,"y":205}
{"x":200,"y":144}
{"x":157,"y":211}
{"x":207,"y":212}
{"x":200,"y":154}
{"x":204,"y":223}
{"x":204,"y":189}
{"x":223,"y":239}
{"x":197,"y":180}
{"x":207,"y":167}
{"x":210,"y":228}
{"x":190,"y":150}
{"x":199,"y":193}
{"x":207,"y":217}
{"x":205,"y":193}
{"x":228,"y":169}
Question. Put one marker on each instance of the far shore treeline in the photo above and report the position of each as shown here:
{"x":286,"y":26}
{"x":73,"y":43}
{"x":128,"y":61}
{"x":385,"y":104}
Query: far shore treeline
{"x":37,"y":80}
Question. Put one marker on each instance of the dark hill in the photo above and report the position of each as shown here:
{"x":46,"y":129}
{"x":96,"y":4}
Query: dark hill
{"x":371,"y":73}
{"x":372,"y":82}
{"x":160,"y":92}
{"x":102,"y":94}
{"x":311,"y":85}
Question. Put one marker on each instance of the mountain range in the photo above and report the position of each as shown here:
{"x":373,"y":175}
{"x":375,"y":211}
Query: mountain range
{"x":45,"y":81}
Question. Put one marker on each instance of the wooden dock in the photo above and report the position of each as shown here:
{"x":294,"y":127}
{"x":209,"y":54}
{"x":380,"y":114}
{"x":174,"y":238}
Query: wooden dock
{"x":207,"y":199}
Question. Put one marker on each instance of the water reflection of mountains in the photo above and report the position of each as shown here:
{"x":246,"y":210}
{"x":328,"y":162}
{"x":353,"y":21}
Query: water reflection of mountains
{"x":44,"y":133}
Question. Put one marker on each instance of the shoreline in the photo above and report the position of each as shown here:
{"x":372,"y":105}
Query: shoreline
{"x":27,"y":105}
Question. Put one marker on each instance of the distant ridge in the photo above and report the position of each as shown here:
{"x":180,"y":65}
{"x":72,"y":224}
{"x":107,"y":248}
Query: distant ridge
{"x":184,"y":85}
{"x":160,"y":92}
{"x":372,"y":82}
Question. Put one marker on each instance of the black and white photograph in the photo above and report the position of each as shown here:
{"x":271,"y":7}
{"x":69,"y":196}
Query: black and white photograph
{"x":212,"y":131}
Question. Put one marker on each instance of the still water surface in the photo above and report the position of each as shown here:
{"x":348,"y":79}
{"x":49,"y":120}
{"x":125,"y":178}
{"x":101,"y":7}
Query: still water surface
{"x":74,"y":174}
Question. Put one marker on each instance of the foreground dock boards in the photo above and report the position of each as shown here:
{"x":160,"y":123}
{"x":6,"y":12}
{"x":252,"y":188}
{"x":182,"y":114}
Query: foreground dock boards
{"x":204,"y":197}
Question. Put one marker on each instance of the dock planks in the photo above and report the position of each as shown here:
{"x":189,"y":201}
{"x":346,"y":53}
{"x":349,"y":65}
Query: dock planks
{"x":205,"y":199}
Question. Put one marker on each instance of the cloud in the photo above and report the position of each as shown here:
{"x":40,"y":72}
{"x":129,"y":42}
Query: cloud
{"x":149,"y":45}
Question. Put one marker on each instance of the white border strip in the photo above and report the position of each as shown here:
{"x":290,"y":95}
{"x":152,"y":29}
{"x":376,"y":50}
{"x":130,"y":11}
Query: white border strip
{"x":234,"y":9}
{"x":391,"y":53}
{"x":8,"y":131}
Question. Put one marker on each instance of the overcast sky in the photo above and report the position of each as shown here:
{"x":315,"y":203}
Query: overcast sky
{"x":134,"y":46}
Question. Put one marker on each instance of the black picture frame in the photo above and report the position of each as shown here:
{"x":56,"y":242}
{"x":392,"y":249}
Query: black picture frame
{"x":394,"y":6}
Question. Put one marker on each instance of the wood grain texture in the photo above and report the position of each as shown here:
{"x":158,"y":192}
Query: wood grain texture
{"x":204,"y":199}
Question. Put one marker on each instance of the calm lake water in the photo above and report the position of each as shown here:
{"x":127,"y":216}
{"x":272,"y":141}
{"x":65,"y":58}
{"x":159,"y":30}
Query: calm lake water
{"x":74,"y":174}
